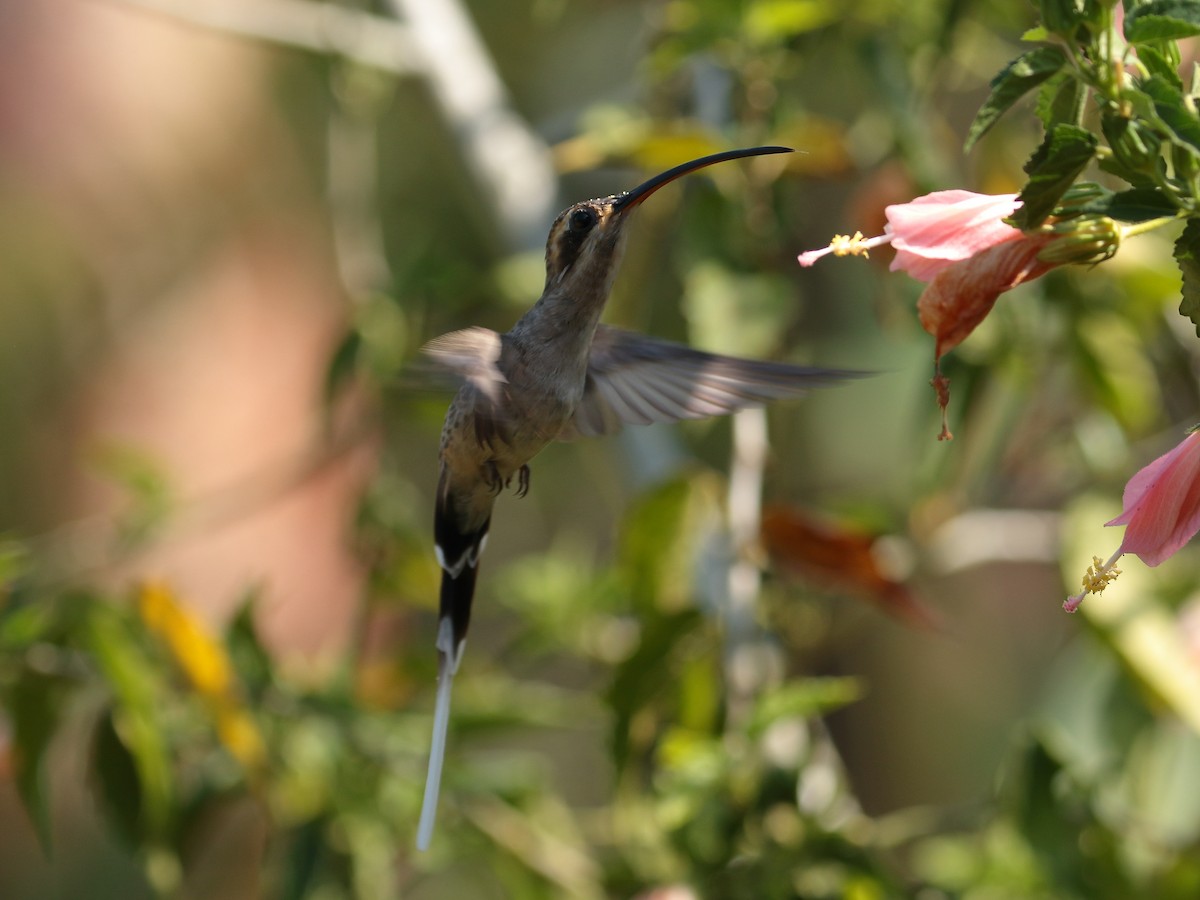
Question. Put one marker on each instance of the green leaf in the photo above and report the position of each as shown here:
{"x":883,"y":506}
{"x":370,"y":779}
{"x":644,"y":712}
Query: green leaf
{"x":1061,"y":101}
{"x":1019,"y":77}
{"x":1187,"y":254}
{"x":1137,"y":149}
{"x":343,"y":366}
{"x":804,"y":698}
{"x":773,"y":21}
{"x":1160,"y":64}
{"x":648,"y":673}
{"x":1135,"y":205}
{"x":1182,"y":125}
{"x":250,"y":657}
{"x":33,"y":705}
{"x":144,"y":479}
{"x":655,"y":557}
{"x":1036,"y":792}
{"x":133,"y":680}
{"x":1053,"y":168}
{"x":1063,"y":16}
{"x":115,"y":782}
{"x":23,"y":626}
{"x":1163,"y":20}
{"x":15,"y":563}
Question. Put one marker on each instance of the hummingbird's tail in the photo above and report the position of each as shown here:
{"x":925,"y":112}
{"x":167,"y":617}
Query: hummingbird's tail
{"x":448,"y":658}
{"x":458,"y":554}
{"x":458,"y":550}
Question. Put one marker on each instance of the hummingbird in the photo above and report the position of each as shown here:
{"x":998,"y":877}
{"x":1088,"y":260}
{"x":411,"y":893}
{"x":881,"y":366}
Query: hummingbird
{"x":559,"y":374}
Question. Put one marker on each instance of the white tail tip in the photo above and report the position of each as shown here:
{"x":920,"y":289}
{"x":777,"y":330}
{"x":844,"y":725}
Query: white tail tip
{"x":447,"y":664}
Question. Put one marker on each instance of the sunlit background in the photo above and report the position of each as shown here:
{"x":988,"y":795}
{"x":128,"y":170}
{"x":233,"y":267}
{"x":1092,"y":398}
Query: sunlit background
{"x":225,"y":230}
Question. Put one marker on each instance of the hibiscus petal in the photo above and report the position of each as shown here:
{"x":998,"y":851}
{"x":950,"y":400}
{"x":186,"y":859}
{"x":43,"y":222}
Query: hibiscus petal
{"x":947,"y":226}
{"x":1146,"y":478}
{"x":962,"y":295}
{"x":1162,"y":504}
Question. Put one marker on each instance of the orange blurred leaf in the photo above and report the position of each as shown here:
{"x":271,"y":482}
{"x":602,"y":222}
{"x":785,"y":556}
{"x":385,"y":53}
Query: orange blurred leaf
{"x":839,"y":558}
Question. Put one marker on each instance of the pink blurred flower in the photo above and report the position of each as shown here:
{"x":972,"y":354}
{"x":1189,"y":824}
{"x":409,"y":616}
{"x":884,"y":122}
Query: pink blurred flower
{"x":1161,"y":514}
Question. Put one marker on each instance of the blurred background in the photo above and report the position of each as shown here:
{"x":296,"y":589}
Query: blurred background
{"x":811,"y":652}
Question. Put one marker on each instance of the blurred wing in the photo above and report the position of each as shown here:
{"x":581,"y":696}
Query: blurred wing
{"x":637,"y":380}
{"x":471,"y":354}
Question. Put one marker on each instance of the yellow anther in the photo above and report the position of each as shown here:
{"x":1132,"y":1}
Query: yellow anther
{"x":849,"y":245}
{"x":1099,"y":575}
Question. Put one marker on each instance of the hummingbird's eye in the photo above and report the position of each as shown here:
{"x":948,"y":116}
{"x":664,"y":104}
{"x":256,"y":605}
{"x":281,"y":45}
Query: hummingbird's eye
{"x":582,"y":220}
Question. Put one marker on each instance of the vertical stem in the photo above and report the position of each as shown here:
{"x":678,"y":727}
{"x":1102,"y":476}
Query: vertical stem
{"x":750,"y":658}
{"x":510,"y":162}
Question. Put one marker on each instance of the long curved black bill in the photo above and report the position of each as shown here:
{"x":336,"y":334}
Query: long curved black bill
{"x":632,"y":198}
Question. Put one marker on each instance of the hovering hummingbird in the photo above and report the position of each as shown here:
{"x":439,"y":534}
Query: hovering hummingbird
{"x":556,"y":375}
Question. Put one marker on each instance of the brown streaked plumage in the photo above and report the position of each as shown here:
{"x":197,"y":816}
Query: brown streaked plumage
{"x":559,"y":374}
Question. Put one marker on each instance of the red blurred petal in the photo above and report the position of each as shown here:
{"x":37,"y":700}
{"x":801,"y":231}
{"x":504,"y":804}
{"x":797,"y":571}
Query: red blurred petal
{"x":840,"y":559}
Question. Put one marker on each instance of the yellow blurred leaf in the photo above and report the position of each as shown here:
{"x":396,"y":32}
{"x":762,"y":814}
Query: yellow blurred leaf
{"x":772,"y":21}
{"x":202,"y":660}
{"x":206,"y":666}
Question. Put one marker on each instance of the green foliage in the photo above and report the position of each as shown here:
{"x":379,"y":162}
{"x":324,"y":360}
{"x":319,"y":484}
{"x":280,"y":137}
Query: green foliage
{"x":1162,"y":20}
{"x":1061,"y":101}
{"x":1052,"y":170}
{"x":1065,"y":17}
{"x":1134,"y":205}
{"x":1017,"y":79}
{"x":33,"y":703}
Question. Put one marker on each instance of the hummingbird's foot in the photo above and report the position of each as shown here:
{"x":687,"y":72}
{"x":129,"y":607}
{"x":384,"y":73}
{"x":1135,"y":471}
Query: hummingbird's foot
{"x":522,"y":481}
{"x":491,"y":477}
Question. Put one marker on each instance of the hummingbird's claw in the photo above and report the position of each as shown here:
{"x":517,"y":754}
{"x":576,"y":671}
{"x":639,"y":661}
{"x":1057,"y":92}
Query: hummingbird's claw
{"x":491,"y":477}
{"x":522,"y":481}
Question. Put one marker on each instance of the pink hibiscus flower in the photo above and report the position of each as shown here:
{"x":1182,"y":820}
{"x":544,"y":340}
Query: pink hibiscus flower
{"x":1161,"y":514}
{"x":933,"y":231}
{"x":959,"y":243}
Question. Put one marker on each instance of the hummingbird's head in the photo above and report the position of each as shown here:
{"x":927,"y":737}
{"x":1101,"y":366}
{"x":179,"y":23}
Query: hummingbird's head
{"x":585,"y":239}
{"x":583,"y":242}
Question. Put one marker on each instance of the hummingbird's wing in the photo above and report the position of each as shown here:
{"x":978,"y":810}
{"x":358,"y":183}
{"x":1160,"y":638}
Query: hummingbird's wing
{"x":636,"y":380}
{"x":471,"y":354}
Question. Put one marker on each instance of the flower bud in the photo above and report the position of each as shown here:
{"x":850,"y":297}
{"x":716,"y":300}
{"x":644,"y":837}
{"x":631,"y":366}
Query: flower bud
{"x":1134,"y":145}
{"x":1083,"y":239}
{"x":1184,"y":162}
